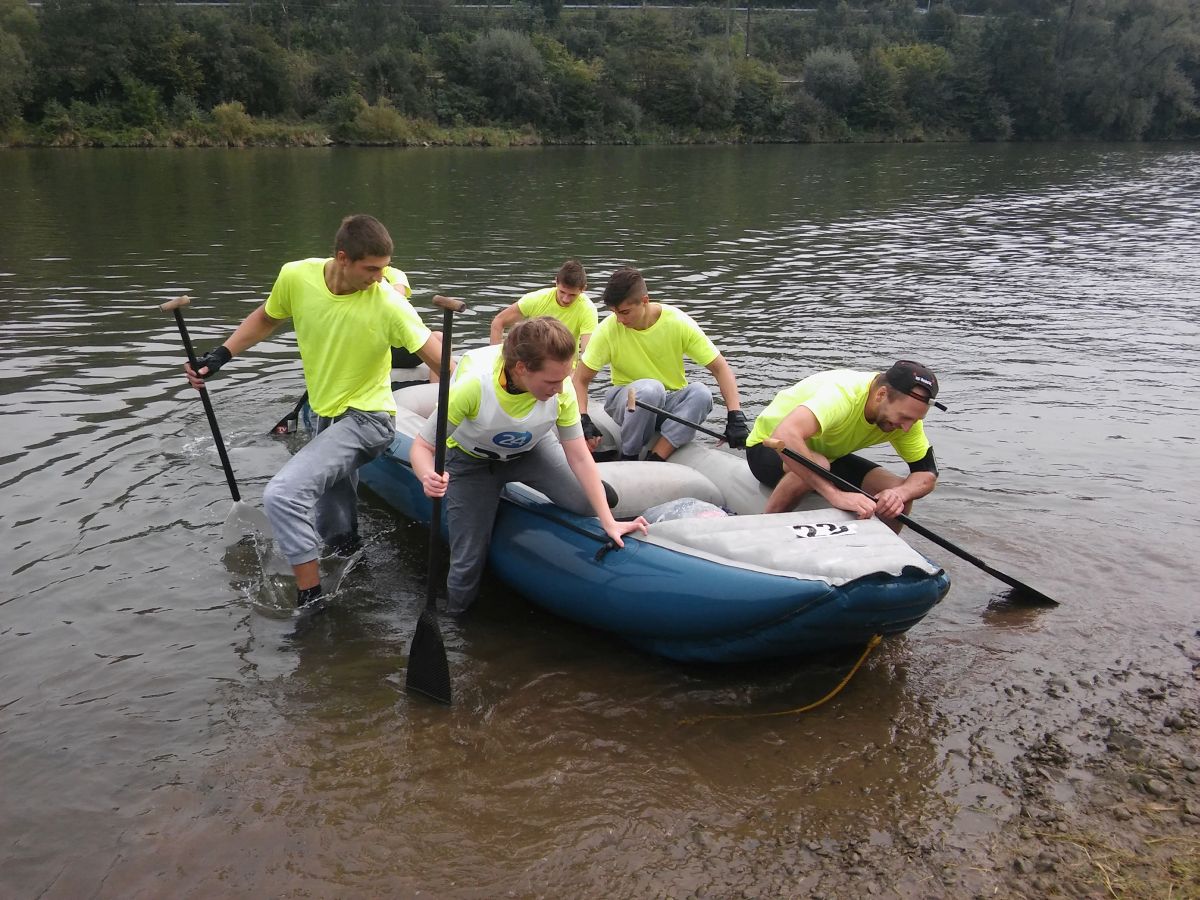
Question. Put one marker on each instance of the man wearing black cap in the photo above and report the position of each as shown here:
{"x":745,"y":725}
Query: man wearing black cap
{"x":828,"y":416}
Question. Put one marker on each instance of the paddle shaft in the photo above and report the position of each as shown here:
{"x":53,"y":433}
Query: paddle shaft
{"x":850,"y":487}
{"x":915,"y":526}
{"x":439,"y":446}
{"x":174,"y":306}
{"x":281,"y":427}
{"x":428,"y":667}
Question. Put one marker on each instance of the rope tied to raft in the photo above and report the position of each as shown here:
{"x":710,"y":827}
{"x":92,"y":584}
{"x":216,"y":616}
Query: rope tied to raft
{"x":871,"y":645}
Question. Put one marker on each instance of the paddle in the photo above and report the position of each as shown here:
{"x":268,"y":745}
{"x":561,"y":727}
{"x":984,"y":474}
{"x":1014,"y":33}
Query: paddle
{"x":241,"y":512}
{"x":1022,"y":593}
{"x":428,"y":668}
{"x":290,"y":422}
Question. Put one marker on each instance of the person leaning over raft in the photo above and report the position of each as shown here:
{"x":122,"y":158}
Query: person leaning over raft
{"x":566,"y":301}
{"x":827,"y":416}
{"x":346,"y":322}
{"x":645,"y":342}
{"x":504,"y":402}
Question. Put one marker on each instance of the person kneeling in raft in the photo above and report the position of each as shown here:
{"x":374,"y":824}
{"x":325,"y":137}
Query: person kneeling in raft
{"x":504,"y":402}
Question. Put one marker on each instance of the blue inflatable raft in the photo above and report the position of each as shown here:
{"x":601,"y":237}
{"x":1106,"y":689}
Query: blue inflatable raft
{"x":711,"y":589}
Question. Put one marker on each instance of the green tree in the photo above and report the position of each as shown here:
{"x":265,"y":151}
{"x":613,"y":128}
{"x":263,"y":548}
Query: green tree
{"x":922,"y":74}
{"x":833,"y":77}
{"x":1023,"y":74}
{"x":575,"y":90}
{"x":877,"y":104}
{"x":759,"y":107}
{"x":16,"y":79}
{"x":714,"y":91}
{"x":508,"y":70}
{"x":18,"y":29}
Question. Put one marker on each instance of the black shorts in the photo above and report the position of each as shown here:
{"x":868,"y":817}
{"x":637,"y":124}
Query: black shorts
{"x":404,"y":359}
{"x":767,"y":466}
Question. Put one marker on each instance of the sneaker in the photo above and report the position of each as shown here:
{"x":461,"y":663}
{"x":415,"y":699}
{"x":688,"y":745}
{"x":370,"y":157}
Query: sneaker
{"x":310,"y":601}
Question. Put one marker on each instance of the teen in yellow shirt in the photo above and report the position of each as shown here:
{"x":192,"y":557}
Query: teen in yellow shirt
{"x":645,"y":344}
{"x":828,"y":416}
{"x":346,"y":322}
{"x":566,"y":301}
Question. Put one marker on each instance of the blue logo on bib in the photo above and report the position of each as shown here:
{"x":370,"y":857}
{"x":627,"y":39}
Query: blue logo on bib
{"x":512,"y":440}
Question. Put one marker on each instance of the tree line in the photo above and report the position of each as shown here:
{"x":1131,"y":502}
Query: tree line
{"x":151,"y":72}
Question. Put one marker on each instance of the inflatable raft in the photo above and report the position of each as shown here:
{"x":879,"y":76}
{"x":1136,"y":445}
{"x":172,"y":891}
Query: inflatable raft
{"x":717,"y":587}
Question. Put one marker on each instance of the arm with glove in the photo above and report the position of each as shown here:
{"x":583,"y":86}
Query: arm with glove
{"x":736,"y":430}
{"x":255,"y":327}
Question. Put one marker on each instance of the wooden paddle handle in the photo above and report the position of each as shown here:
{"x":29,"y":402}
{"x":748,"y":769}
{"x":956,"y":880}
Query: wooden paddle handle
{"x":177,"y":303}
{"x":631,"y":400}
{"x":449,"y":303}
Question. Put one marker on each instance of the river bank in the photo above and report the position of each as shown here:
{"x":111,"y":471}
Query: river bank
{"x":230,"y":127}
{"x":1089,"y":782}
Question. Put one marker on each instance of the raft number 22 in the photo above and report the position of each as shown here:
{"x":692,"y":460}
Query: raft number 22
{"x":822,"y":529}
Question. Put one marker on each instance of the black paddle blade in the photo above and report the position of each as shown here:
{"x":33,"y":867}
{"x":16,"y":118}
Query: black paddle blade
{"x":1024,"y":595}
{"x":428,"y":668}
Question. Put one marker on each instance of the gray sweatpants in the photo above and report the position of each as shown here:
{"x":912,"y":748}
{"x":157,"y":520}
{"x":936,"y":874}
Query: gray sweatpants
{"x":472,"y":496}
{"x":692,"y":402}
{"x":313,"y":499}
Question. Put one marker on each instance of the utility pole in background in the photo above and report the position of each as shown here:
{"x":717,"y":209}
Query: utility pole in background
{"x":748,"y":2}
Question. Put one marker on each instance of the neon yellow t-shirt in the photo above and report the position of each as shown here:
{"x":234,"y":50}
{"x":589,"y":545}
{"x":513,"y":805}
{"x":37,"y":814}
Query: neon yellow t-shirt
{"x":399,"y":281}
{"x":580,"y":317}
{"x":656,"y":352}
{"x":465,"y":395}
{"x":838,"y":400}
{"x":345,"y":340}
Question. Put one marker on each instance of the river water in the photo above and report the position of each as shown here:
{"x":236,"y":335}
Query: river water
{"x":160,"y":732}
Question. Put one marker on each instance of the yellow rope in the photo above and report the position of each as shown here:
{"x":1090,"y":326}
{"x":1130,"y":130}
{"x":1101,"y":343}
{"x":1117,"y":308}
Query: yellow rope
{"x":871,"y":645}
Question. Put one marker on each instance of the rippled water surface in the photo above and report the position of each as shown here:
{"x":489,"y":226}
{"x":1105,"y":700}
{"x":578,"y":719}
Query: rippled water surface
{"x":161,"y":726}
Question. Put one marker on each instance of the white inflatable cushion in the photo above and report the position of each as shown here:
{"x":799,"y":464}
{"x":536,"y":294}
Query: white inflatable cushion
{"x":825,"y":544}
{"x":641,"y":485}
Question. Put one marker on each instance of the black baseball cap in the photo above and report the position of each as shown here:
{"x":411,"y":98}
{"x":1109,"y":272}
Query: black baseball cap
{"x":906,"y":376}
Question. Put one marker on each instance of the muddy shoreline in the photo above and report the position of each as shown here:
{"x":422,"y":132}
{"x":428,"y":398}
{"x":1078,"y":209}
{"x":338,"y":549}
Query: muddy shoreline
{"x":1095,"y":794}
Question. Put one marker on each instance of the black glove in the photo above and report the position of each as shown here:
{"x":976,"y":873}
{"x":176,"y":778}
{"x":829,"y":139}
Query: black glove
{"x":589,"y":427}
{"x":213,"y":359}
{"x":736,"y":430}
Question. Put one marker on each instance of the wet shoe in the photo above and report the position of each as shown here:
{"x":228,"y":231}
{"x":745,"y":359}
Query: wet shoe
{"x":310,"y":601}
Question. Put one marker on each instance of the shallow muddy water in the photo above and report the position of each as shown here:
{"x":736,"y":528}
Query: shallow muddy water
{"x":163,"y":729}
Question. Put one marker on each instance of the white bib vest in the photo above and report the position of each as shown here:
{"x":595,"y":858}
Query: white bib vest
{"x":493,"y":433}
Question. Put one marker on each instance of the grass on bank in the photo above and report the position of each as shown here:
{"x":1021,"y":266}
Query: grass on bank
{"x":350,"y":120}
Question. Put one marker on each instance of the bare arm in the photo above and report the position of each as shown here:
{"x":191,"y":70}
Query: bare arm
{"x":421,"y":457}
{"x":257,"y":326}
{"x":431,"y":353}
{"x":504,"y":320}
{"x":580,"y":379}
{"x":254,"y":328}
{"x":726,"y":381}
{"x":579,"y":458}
{"x":890,"y":502}
{"x":795,"y":430}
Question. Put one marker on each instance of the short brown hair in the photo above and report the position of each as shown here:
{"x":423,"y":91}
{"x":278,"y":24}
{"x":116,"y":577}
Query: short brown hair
{"x":571,"y":274}
{"x":625,"y":283}
{"x":533,"y":341}
{"x":361,"y":236}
